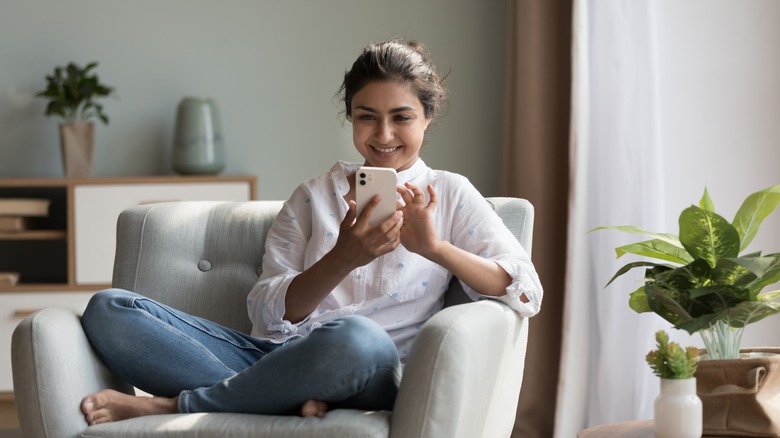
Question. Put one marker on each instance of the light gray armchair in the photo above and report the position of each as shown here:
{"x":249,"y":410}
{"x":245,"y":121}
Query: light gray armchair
{"x":462,"y":378}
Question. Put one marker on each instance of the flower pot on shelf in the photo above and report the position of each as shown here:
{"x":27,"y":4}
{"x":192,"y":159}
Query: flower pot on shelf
{"x":678,"y":410}
{"x":77,"y":141}
{"x":741,"y":397}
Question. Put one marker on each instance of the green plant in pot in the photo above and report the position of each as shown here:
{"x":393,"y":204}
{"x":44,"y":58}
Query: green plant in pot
{"x":73,"y":93}
{"x":677,"y":410}
{"x":671,"y":361}
{"x":702,"y":282}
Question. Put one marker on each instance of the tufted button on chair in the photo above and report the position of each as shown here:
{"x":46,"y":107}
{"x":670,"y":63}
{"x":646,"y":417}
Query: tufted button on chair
{"x":462,"y":378}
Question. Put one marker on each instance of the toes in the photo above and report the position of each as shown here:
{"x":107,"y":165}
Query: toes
{"x":314,"y":408}
{"x":87,"y":405}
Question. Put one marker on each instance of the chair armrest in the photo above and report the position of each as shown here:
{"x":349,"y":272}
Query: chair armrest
{"x":464,"y":373}
{"x":54,"y":367}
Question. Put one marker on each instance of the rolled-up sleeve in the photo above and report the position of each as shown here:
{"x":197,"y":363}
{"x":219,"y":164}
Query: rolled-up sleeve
{"x":477,"y":228}
{"x":524,"y":283}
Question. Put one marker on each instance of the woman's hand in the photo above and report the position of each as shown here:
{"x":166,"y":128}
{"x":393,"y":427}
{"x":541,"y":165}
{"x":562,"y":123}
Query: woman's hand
{"x":358,"y":243}
{"x":418,"y":233}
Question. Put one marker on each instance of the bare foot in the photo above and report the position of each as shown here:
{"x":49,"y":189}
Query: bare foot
{"x":314,"y":408}
{"x":109,"y":405}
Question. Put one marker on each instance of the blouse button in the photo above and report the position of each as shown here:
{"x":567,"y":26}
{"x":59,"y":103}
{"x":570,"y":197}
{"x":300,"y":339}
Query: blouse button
{"x":204,"y":265}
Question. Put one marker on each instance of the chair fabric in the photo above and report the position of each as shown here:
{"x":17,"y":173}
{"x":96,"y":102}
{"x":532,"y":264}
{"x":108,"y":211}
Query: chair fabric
{"x":462,"y":378}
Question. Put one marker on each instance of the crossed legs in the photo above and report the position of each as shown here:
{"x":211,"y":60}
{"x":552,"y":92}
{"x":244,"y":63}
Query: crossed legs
{"x":194,"y":365}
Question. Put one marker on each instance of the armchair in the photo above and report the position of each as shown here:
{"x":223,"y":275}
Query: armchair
{"x":462,"y":377}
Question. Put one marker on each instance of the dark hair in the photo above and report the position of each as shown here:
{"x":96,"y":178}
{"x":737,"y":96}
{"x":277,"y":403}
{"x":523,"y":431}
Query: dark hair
{"x":397,"y":60}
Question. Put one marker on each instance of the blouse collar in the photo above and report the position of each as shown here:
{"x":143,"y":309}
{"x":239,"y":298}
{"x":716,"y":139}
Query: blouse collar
{"x":342,"y":169}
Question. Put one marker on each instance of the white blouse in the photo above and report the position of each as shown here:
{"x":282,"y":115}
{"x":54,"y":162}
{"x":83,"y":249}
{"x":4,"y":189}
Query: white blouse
{"x":399,"y":290}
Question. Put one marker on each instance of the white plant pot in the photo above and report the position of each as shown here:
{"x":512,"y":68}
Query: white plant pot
{"x":678,"y":410}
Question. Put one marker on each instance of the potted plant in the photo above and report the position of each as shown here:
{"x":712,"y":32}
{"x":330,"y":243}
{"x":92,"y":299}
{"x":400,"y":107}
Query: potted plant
{"x":704,"y":284}
{"x":677,"y":409}
{"x":73,"y":94}
{"x":701,"y":283}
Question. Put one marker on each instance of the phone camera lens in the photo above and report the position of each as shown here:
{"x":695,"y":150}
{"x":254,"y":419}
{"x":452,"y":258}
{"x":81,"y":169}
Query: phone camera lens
{"x":362,"y":175}
{"x":362,"y":182}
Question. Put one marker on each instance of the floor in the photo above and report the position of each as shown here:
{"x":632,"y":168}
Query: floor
{"x":9,"y":424}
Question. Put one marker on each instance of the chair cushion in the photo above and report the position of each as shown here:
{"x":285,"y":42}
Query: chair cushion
{"x":340,"y":423}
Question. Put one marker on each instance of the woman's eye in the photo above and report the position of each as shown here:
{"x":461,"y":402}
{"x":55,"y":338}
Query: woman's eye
{"x":365,"y":117}
{"x":402,"y":118}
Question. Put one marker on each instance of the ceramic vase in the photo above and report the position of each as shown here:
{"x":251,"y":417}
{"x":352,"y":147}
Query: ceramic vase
{"x":678,"y":410}
{"x":77,"y":141}
{"x":198,"y":144}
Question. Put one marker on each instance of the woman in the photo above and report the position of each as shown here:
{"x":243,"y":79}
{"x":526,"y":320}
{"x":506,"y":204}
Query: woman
{"x":339,"y":302}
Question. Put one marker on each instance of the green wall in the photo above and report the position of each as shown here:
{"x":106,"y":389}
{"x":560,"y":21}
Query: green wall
{"x":272,"y":66}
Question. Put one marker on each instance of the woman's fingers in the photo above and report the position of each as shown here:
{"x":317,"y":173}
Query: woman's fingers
{"x":433,"y":196}
{"x":368,"y":210}
{"x":349,"y":218}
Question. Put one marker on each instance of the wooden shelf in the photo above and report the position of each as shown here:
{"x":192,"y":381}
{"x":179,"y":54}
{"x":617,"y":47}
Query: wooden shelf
{"x":35,"y":235}
{"x":51,"y":287}
{"x":45,"y":255}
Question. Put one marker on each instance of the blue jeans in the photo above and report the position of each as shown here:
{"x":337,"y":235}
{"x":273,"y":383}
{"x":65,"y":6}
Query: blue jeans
{"x":349,"y":363}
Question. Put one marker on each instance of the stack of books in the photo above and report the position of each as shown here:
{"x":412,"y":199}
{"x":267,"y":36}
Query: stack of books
{"x":15,"y":213}
{"x":8,"y":279}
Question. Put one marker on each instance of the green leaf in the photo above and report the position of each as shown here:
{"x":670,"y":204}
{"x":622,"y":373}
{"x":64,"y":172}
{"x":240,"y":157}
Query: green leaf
{"x":768,"y":296}
{"x":719,"y":297}
{"x":706,"y":203}
{"x":758,"y":265}
{"x":707,"y":235}
{"x":666,"y":303}
{"x":637,"y":301}
{"x":749,"y":312}
{"x":695,"y":274}
{"x":631,"y":266}
{"x":658,"y":249}
{"x":771,"y":276}
{"x":54,"y":107}
{"x":700,"y":323}
{"x":753,"y":211}
{"x":752,"y":271}
{"x":668,"y":238}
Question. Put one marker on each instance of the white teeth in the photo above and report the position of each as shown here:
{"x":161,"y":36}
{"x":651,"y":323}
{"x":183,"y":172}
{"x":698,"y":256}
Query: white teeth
{"x":385,"y":150}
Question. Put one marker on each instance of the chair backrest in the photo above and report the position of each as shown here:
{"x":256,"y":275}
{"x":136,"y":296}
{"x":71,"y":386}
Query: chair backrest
{"x":203,"y":257}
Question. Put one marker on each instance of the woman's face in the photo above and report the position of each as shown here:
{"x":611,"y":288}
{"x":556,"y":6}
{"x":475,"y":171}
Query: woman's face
{"x":388,"y":124}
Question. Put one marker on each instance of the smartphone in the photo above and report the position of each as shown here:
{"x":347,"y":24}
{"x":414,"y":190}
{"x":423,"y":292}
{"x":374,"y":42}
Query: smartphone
{"x":370,"y":181}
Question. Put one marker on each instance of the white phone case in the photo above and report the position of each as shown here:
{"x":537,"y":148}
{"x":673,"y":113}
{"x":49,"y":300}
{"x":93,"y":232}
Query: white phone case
{"x":370,"y":181}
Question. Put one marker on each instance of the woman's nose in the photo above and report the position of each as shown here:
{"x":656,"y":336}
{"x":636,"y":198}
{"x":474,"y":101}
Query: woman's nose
{"x":384,"y":132}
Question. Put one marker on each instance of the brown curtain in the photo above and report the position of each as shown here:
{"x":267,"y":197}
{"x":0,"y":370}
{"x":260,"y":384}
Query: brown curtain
{"x":535,"y":166}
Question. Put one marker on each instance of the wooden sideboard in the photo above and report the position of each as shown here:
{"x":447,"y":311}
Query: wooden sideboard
{"x":65,"y":257}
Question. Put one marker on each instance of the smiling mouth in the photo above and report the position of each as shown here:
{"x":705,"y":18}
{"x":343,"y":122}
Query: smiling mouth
{"x":385,"y":150}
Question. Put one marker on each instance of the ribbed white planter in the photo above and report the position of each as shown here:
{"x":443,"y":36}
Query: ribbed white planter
{"x":678,"y":410}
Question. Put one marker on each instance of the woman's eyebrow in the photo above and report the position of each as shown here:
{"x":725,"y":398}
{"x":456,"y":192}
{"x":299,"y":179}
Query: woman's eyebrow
{"x":400,"y":109}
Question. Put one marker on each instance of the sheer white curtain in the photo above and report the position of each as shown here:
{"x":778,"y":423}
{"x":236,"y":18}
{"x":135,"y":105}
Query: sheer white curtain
{"x":616,"y":180}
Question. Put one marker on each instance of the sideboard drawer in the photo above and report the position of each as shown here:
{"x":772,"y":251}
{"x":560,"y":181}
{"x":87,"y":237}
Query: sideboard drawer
{"x":14,"y":307}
